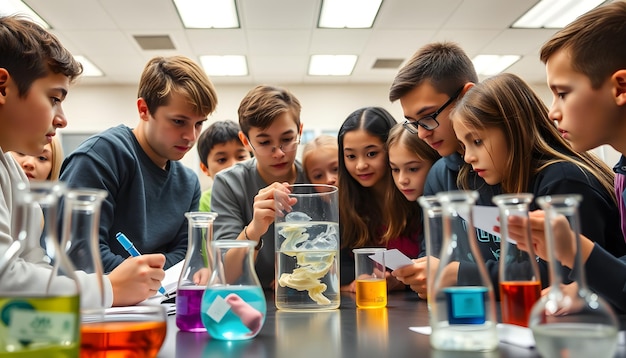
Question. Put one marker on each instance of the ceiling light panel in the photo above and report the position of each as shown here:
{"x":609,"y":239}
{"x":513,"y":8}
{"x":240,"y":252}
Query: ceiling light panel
{"x":489,"y":65}
{"x":555,"y":13}
{"x":89,"y":68}
{"x":205,"y":14}
{"x":354,"y":14}
{"x":332,"y":65}
{"x":11,"y":7}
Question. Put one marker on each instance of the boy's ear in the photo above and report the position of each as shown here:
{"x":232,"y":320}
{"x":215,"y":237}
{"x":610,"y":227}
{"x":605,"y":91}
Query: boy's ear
{"x":244,"y":141}
{"x":619,"y":82}
{"x":204,"y":169}
{"x":142,"y":108}
{"x":300,"y":131}
{"x":466,"y":88}
{"x":4,"y":83}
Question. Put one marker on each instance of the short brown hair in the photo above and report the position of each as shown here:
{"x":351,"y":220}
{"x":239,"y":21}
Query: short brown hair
{"x":163,"y":76}
{"x":595,"y":41}
{"x":29,"y":52}
{"x":444,"y":64}
{"x":262,"y":104}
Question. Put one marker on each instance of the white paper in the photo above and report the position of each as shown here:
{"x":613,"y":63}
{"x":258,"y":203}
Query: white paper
{"x":507,"y":333}
{"x":485,"y":218}
{"x":218,"y":309}
{"x":393,"y":258}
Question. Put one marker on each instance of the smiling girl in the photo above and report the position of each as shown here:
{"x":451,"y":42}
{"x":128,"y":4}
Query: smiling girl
{"x":371,"y":214}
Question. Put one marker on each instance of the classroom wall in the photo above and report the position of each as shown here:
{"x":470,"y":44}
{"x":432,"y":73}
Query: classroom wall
{"x":91,"y":109}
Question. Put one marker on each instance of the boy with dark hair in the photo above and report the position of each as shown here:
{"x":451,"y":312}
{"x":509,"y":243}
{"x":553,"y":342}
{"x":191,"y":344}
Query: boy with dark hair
{"x":219,"y":147}
{"x":149,"y":190}
{"x":35,"y":76}
{"x":427,"y":87}
{"x":586,"y":70}
{"x":243,"y":195}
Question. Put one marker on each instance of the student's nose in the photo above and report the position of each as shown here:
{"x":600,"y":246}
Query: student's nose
{"x":331,"y":179}
{"x":191,"y":134}
{"x":555,"y":112}
{"x":59,"y":120}
{"x":468,"y":156}
{"x":403,"y":178}
{"x":361,"y":164}
{"x":28,"y":162}
{"x":423,"y":133}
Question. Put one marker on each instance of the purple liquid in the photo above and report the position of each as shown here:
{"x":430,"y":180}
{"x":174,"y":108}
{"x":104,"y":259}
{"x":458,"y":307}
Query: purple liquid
{"x":188,"y":302}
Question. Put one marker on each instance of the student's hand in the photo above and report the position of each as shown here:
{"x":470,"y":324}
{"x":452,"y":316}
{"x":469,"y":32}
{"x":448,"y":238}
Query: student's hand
{"x":137,"y":278}
{"x":264,"y":209}
{"x":201,"y":277}
{"x":393,"y":284}
{"x":351,"y":287}
{"x":416,"y":275}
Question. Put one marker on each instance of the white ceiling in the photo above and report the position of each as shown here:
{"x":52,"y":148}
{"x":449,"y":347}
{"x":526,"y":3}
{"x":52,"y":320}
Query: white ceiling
{"x":278,"y":36}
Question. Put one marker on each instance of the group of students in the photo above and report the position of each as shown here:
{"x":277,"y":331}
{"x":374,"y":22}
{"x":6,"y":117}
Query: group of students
{"x":494,"y":137}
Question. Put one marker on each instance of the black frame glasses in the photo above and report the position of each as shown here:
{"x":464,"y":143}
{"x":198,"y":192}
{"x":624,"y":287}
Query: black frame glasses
{"x":429,"y":122}
{"x":285,"y":147}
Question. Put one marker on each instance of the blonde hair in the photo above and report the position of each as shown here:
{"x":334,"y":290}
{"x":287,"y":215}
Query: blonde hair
{"x":57,"y":159}
{"x":321,"y":141}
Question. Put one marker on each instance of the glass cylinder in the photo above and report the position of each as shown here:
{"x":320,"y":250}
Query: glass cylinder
{"x":462,"y":313}
{"x":433,"y":233}
{"x":570,"y":323}
{"x":42,"y":318}
{"x":81,"y":239}
{"x":307,"y":248}
{"x":195,"y":272}
{"x":233,"y":304}
{"x":520,"y":282}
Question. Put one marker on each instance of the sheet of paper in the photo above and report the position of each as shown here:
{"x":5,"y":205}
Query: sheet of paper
{"x":507,"y":333}
{"x":485,"y":218}
{"x":393,"y":258}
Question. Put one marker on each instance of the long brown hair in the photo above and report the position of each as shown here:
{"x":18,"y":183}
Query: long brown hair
{"x":506,"y":102}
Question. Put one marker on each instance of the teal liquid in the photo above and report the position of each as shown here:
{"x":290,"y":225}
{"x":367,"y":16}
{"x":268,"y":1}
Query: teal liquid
{"x":230,"y":326}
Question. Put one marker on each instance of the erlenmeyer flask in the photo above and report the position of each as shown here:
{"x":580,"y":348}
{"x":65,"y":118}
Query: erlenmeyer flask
{"x":520,"y":283}
{"x":195,"y":272}
{"x":433,"y":232}
{"x":570,"y":324}
{"x":462,"y":310}
{"x":81,"y":239}
{"x":233,"y":305}
{"x":41,"y":318}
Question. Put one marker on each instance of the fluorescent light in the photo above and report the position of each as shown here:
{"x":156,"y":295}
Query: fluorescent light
{"x":489,"y":65}
{"x":10,"y":7}
{"x":233,"y":65}
{"x":206,"y":14}
{"x":332,"y":65}
{"x":356,"y":14}
{"x":555,"y":13}
{"x":89,"y":69}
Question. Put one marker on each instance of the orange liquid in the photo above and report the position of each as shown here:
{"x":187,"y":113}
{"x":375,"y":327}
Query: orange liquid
{"x":517,"y":299}
{"x":122,"y":339}
{"x":371,"y":293}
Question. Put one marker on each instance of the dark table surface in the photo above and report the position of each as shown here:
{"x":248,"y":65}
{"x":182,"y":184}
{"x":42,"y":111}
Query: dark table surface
{"x":345,"y":332}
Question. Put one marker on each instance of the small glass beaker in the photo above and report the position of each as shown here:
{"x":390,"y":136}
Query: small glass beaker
{"x":565,"y":323}
{"x":371,"y":284}
{"x":233,"y":304}
{"x":433,"y":235}
{"x":520,"y":282}
{"x":307,"y":247}
{"x":195,"y":272}
{"x":462,"y":312}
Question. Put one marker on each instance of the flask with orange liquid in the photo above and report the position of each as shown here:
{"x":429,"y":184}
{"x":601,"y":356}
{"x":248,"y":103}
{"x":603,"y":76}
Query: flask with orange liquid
{"x":520,"y":283}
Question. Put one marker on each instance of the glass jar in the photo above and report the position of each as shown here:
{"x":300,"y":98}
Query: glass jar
{"x":520,"y":282}
{"x":570,"y":323}
{"x":233,"y":304}
{"x":41,"y":320}
{"x":307,"y":248}
{"x":195,"y":272}
{"x":462,"y":312}
{"x":433,"y":232}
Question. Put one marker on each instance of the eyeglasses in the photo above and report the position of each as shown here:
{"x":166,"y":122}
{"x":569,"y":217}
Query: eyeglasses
{"x":267,"y":149}
{"x":430,"y":122}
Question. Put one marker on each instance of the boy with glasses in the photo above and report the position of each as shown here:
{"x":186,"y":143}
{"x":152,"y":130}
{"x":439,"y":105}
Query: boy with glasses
{"x":243,"y":195}
{"x":427,"y":88}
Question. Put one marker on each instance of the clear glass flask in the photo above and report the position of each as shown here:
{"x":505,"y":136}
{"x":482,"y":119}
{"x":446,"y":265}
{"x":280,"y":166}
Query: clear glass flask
{"x":462,"y":312}
{"x":41,"y":318}
{"x":195,"y":273}
{"x":233,"y":304}
{"x":81,"y":238}
{"x":307,"y":248}
{"x":433,"y":234}
{"x":570,"y":323}
{"x":520,"y":282}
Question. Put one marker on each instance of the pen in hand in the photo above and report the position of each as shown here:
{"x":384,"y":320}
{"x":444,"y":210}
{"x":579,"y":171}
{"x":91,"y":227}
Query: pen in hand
{"x":130,"y":248}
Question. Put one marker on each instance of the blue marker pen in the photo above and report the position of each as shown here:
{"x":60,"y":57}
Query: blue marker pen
{"x":128,"y":246}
